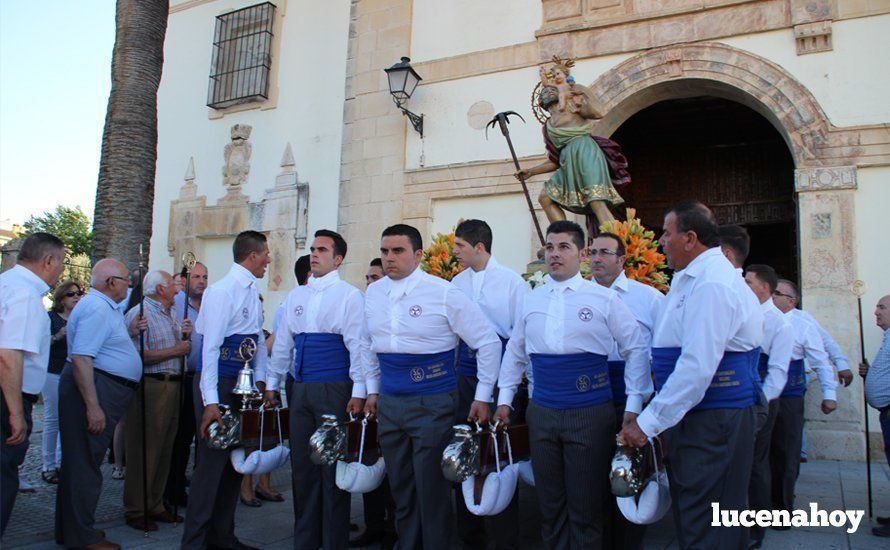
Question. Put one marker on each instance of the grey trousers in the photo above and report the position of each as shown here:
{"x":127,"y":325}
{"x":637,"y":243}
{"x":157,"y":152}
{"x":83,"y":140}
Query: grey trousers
{"x":571,"y":452}
{"x":784,"y":452}
{"x":413,"y":430}
{"x":11,"y":457}
{"x":321,"y":509}
{"x":471,"y":529}
{"x":620,"y":534}
{"x":709,"y":460}
{"x":759,"y":486}
{"x":213,"y":492}
{"x":80,"y":479}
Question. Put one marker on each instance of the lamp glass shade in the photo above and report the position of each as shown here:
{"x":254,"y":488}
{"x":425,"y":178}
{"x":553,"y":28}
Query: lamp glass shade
{"x":402,"y":79}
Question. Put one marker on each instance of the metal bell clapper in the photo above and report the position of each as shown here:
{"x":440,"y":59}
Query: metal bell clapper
{"x":245,"y":386}
{"x":328,"y":443}
{"x":461,"y":456}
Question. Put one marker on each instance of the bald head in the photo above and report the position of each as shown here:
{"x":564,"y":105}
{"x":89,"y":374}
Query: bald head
{"x":109,"y":277}
{"x":882,"y":313}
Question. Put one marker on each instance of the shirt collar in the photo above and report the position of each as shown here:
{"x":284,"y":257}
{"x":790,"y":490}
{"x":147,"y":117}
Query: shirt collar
{"x":101,"y":295}
{"x":620,"y":283}
{"x":491,"y":264}
{"x":242,"y":275}
{"x":318,"y":284}
{"x":573,"y":283}
{"x":404,"y":286}
{"x":699,"y":264}
{"x":769,"y":306}
{"x":39,"y":285}
{"x":156,"y":304}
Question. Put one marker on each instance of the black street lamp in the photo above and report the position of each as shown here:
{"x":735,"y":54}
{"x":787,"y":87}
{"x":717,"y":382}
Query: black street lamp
{"x":402,"y":81}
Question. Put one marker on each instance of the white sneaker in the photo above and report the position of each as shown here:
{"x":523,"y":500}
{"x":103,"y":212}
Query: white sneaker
{"x":118,"y":472}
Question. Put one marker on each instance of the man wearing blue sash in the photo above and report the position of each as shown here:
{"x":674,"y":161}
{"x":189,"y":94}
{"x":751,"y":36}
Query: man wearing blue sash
{"x":566,"y":329}
{"x":230,"y":313}
{"x":497,"y":291}
{"x":705,"y":349}
{"x":320,"y":342}
{"x":607,"y":258}
{"x":415,"y":321}
{"x":775,"y":356}
{"x":788,"y":430}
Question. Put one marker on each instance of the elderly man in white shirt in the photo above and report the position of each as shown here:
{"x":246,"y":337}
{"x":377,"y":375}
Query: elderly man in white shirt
{"x":24,"y":352}
{"x":230,"y":313}
{"x":788,"y":430}
{"x":775,"y":357}
{"x":705,"y":349}
{"x":414,"y":321}
{"x":497,"y":291}
{"x":320,"y":341}
{"x":566,"y":330}
{"x":607,"y":259}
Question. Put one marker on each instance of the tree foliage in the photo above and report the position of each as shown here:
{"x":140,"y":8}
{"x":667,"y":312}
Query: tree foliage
{"x":71,"y":225}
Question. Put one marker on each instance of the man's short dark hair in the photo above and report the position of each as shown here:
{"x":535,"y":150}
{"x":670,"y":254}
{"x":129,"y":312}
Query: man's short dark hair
{"x":404,"y":230}
{"x":736,"y":238}
{"x":339,"y":241}
{"x":301,"y":269}
{"x":572,"y":228}
{"x":474,"y":232}
{"x":620,"y":244}
{"x":765,"y":274}
{"x":38,"y":245}
{"x":377,"y":262}
{"x":794,"y":292}
{"x":695,"y":216}
{"x":247,"y":242}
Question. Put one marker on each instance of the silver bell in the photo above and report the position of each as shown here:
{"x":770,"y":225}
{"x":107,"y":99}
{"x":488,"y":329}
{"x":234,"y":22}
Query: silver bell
{"x":461,"y":457}
{"x":245,"y":386}
{"x":328,"y":443}
{"x":221,"y":439}
{"x":631,"y":470}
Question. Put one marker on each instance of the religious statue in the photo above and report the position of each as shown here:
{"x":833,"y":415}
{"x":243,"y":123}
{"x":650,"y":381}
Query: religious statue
{"x":237,"y":155}
{"x":586,"y":167}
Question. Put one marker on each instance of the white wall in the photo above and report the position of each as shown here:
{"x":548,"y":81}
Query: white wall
{"x":309,"y":113}
{"x":445,"y":29}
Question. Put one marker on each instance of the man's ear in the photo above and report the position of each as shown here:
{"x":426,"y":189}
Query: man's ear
{"x":690,"y":238}
{"x":583,"y":253}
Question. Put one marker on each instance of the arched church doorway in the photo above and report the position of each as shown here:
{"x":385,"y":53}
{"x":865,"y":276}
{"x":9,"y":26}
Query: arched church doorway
{"x":724,"y":154}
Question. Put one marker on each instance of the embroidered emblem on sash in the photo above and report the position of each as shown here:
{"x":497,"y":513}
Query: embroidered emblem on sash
{"x":585,"y":314}
{"x":415,"y":311}
{"x":417,"y":374}
{"x":224,"y":354}
{"x":582,"y":383}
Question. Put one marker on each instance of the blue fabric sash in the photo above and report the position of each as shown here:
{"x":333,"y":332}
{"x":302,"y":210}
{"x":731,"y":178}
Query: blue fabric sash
{"x":570,"y":381}
{"x":466,"y":357}
{"x":320,"y":357}
{"x":417,"y":373}
{"x":734,"y":385}
{"x":616,"y":379}
{"x":763,"y":367}
{"x":796,"y":385}
{"x":229,"y":362}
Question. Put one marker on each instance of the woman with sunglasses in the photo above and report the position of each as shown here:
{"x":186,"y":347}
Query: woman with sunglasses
{"x":65,"y":297}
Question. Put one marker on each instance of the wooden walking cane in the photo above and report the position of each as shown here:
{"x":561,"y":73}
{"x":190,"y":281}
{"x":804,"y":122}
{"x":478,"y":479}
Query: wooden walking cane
{"x":142,"y":392}
{"x":188,"y":262}
{"x":858,"y":289}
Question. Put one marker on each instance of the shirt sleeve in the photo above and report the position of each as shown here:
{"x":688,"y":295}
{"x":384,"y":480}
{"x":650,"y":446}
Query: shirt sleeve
{"x":517,"y":295}
{"x":17,"y":322}
{"x":706,"y":332}
{"x":515,"y":360}
{"x":834,"y":351}
{"x":818,"y":361}
{"x":628,"y":335}
{"x":282,"y":349}
{"x":212,"y":318}
{"x":474,"y":328}
{"x":371,"y":365}
{"x":262,"y":357}
{"x":354,"y":339}
{"x":92,"y":331}
{"x":779,"y":359}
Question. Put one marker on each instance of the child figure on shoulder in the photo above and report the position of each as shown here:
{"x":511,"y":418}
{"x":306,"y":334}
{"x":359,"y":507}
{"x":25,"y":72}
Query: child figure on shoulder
{"x":571,"y":96}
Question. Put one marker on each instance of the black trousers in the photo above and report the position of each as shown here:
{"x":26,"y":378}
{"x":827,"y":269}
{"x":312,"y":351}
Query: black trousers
{"x":759,"y":486}
{"x":11,"y":457}
{"x":620,"y":534}
{"x":182,"y":446}
{"x":379,"y":509}
{"x":784,"y":452}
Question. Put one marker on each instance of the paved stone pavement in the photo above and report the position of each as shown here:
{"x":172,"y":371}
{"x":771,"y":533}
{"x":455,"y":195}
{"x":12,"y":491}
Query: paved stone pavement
{"x":833,"y":485}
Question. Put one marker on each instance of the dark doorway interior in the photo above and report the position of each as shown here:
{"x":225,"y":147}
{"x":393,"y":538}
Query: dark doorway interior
{"x":723,"y":154}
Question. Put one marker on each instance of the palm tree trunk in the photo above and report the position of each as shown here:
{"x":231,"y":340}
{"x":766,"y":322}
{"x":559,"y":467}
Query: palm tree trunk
{"x":125,"y":193}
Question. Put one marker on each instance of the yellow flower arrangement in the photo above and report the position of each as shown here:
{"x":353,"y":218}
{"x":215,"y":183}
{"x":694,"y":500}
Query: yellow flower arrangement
{"x":644,"y":262}
{"x":439,"y":259}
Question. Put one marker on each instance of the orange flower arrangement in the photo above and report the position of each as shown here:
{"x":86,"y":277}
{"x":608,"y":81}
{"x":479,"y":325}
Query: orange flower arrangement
{"x":438,"y":258}
{"x":644,"y":262}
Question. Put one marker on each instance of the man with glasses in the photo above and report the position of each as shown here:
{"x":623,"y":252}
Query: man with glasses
{"x":24,"y":352}
{"x":95,"y":389}
{"x":607,"y":257}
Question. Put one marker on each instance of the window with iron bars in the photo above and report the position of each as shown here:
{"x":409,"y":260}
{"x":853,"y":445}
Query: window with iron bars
{"x":242,"y":56}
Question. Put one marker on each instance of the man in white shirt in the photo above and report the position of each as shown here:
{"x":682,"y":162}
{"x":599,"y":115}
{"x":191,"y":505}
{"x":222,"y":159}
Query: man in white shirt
{"x":230,"y":313}
{"x":775,"y":356}
{"x":607,"y":258}
{"x":566,"y":330}
{"x":705,"y":349}
{"x":788,"y":430}
{"x":320,"y":341}
{"x":24,"y":352}
{"x":498,"y":292}
{"x":838,"y":358}
{"x":414,"y":321}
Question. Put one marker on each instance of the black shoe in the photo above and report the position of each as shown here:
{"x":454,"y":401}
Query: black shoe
{"x":353,"y":527}
{"x":882,"y":531}
{"x":883,"y":521}
{"x":366,"y":539}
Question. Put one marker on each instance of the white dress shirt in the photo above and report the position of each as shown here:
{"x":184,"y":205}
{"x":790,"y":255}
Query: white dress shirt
{"x":643,"y":301}
{"x":330,"y":305}
{"x":423,"y":314}
{"x":778,"y":341}
{"x":808,"y":345}
{"x":834,"y":351}
{"x":708,"y":311}
{"x":24,"y":324}
{"x":229,"y":306}
{"x":497,"y":291}
{"x":576,"y":316}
